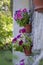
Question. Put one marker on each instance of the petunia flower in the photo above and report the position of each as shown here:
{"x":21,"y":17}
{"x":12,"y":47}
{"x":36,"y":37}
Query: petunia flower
{"x":29,"y":11}
{"x":22,"y":30}
{"x":19,"y":15}
{"x":19,"y":36}
{"x":22,"y":60}
{"x":20,"y":42}
{"x":24,"y":10}
{"x":14,"y":40}
{"x":22,"y":63}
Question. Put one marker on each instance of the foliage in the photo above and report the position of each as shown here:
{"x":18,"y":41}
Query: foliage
{"x":41,"y":62}
{"x":22,"y":17}
{"x":19,"y":42}
{"x":6,"y":47}
{"x":5,"y":22}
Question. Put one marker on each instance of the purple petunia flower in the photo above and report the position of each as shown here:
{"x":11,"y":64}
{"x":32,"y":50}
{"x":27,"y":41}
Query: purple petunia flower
{"x":19,"y":36}
{"x":20,"y":42}
{"x":22,"y":60}
{"x":16,"y":12}
{"x":22,"y":30}
{"x":22,"y":63}
{"x":29,"y":11}
{"x":19,"y":14}
{"x":24,"y":10}
{"x":14,"y":40}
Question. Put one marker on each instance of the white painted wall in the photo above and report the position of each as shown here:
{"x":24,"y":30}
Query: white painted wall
{"x":19,"y":4}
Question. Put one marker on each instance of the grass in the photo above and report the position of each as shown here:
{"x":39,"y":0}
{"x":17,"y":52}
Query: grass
{"x":41,"y":62}
{"x":6,"y":58}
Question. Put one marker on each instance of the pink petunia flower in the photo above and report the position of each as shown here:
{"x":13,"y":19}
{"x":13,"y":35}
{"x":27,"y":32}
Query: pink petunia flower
{"x":19,"y":16}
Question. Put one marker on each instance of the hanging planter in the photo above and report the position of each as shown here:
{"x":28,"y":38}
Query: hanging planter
{"x":27,"y":51}
{"x":22,"y":17}
{"x":28,"y":28}
{"x":38,"y":4}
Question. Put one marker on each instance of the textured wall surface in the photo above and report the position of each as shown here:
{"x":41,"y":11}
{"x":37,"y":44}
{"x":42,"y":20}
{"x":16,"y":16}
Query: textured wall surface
{"x":38,"y":31}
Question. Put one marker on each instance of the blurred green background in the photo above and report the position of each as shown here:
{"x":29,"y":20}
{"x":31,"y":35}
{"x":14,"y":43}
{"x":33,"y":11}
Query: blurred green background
{"x":6,"y":58}
{"x":6,"y":23}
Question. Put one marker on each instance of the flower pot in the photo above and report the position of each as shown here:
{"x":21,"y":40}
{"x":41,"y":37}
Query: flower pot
{"x":28,"y":28}
{"x":27,"y":51}
{"x":38,"y":4}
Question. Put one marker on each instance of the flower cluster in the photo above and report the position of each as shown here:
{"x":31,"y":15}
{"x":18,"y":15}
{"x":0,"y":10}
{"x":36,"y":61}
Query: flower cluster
{"x":22,"y":16}
{"x":19,"y":41}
